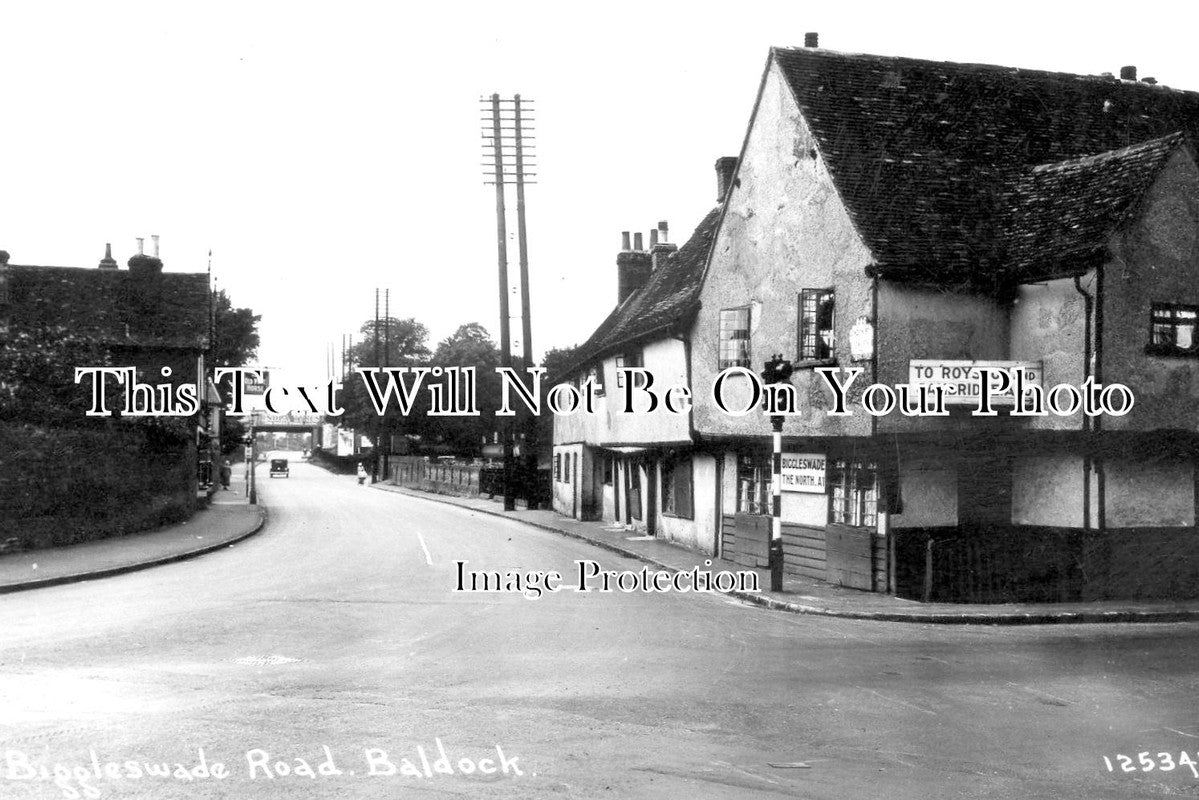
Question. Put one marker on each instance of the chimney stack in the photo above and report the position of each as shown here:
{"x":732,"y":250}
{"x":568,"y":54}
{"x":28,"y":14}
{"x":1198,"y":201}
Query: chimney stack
{"x":633,"y":267}
{"x":811,"y":39}
{"x":143,"y":266}
{"x":660,"y":249}
{"x":1128,"y":73}
{"x":726,"y":168}
{"x":108,"y":262}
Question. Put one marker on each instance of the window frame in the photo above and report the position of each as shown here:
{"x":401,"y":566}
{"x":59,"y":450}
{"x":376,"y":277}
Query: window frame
{"x":1165,"y":316}
{"x":853,"y":499}
{"x":746,"y":360}
{"x":807,"y":328}
{"x":755,"y":476}
{"x":676,"y":469}
{"x":629,"y":358}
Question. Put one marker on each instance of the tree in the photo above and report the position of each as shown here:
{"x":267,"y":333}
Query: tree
{"x":235,"y":343}
{"x":235,"y":332}
{"x":556,"y":360}
{"x":470,"y":346}
{"x":401,"y":343}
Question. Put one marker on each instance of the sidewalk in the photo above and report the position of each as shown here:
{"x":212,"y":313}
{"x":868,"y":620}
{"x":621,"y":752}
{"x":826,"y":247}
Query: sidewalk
{"x":805,"y":596}
{"x":228,"y":520}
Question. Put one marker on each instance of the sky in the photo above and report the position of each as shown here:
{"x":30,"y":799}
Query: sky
{"x":321,"y":151}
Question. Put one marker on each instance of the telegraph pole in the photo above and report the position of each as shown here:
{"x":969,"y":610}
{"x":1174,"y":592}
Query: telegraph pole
{"x":501,"y":142}
{"x":508,"y":141}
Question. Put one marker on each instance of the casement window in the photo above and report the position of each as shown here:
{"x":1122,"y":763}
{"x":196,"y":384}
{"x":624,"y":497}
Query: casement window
{"x":1172,"y":330}
{"x":676,"y":487}
{"x":816,"y":318}
{"x":854,"y":493}
{"x":754,"y":474}
{"x":632,"y":358}
{"x":596,"y":375}
{"x":734,"y":338}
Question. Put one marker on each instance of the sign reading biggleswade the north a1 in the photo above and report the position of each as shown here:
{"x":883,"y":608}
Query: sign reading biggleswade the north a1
{"x":803,"y":472}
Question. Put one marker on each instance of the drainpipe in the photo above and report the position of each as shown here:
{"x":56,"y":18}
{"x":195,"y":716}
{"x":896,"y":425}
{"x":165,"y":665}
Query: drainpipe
{"x":1086,"y":421}
{"x":1097,"y":423}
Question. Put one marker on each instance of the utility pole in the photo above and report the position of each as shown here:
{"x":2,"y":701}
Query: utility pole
{"x":776,"y":370}
{"x":509,"y":142}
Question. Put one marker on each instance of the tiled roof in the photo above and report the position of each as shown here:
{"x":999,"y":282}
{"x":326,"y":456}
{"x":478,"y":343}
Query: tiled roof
{"x":1060,"y":214}
{"x":925,"y":154}
{"x":670,"y":295}
{"x":121,"y":309}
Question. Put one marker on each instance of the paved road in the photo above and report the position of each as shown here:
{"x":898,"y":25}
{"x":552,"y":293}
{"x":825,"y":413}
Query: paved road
{"x":339,"y":628}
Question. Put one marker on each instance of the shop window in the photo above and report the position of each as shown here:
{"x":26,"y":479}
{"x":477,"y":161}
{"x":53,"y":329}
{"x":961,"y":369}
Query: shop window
{"x":816,"y":317}
{"x":754,"y":474}
{"x":1172,"y":330}
{"x":734,"y":338}
{"x":676,"y":487}
{"x":854,"y":493}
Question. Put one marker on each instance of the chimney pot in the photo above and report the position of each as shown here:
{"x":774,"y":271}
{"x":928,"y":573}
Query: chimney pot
{"x":653,"y":238}
{"x":141,"y":243}
{"x":108,"y":262}
{"x":624,"y":241}
{"x":726,"y":167}
{"x":3,"y":256}
{"x":637,"y":242}
{"x":664,"y":230}
{"x":811,"y":39}
{"x":154,"y":240}
{"x":1128,"y":73}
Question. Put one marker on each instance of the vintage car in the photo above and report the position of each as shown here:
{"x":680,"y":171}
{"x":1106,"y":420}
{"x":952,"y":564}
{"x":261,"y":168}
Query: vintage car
{"x":279,"y":467}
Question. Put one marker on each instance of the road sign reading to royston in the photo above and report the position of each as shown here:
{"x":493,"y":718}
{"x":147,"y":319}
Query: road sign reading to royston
{"x":803,"y":472}
{"x":960,"y":379}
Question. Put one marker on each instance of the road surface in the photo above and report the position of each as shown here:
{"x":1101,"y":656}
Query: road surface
{"x":331,"y":657}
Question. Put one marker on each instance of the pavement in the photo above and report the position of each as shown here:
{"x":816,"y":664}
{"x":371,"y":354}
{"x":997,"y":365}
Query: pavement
{"x":806,"y":596}
{"x":231,"y":518}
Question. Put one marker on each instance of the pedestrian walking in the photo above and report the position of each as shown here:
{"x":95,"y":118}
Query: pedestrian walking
{"x":226,"y":473}
{"x":361,"y":474}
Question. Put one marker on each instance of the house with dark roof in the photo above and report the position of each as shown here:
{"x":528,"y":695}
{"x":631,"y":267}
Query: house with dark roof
{"x":632,"y":468}
{"x":142,"y":317}
{"x":920,"y":222}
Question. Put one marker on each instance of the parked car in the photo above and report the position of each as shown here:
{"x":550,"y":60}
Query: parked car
{"x":279,"y":467}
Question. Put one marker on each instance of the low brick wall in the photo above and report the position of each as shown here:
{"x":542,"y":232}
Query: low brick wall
{"x":66,"y":485}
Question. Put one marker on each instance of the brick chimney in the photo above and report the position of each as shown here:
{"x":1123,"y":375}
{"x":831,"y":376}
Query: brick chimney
{"x":660,"y":249}
{"x":142,"y":266}
{"x":811,"y":39}
{"x":633,"y":267}
{"x":726,"y":169}
{"x":108,"y":262}
{"x":1128,"y":73}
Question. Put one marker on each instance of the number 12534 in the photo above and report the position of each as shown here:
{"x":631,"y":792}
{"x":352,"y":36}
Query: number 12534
{"x":1147,"y":762}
